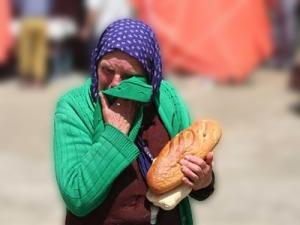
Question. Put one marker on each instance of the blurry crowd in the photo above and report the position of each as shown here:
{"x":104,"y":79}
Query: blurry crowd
{"x":285,"y":17}
{"x":51,"y":38}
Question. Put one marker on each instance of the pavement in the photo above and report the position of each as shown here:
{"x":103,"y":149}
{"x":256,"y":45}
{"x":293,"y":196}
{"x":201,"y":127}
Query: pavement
{"x":256,"y":163}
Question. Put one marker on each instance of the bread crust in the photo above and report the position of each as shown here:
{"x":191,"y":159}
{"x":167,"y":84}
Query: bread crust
{"x":198,"y":140}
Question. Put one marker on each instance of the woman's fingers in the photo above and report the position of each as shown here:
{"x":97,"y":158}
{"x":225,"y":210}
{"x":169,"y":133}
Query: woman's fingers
{"x":126,"y":108}
{"x":196,"y":161}
{"x":188,"y":182}
{"x":197,"y":172}
{"x":196,"y":168}
{"x":209,"y":158}
{"x":104,"y":101}
{"x":105,"y":108}
{"x":189,"y":173}
{"x":120,"y":114}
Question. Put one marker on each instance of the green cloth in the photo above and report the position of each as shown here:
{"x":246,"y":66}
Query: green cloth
{"x":135,"y":88}
{"x":90,"y":154}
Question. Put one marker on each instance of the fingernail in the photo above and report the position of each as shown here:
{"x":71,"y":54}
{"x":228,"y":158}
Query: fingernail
{"x":186,"y":157}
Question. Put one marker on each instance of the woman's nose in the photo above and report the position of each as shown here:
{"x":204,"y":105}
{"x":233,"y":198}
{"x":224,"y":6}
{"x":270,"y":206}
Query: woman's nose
{"x":116,"y":80}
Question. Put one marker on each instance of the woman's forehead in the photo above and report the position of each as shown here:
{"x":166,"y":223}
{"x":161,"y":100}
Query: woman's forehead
{"x":122,"y":58}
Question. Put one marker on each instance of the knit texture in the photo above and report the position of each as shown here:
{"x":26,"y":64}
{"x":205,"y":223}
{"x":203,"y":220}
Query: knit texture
{"x":90,"y":154}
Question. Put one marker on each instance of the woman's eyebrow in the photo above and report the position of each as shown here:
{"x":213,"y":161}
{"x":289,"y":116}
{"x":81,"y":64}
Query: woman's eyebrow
{"x":132,"y":72}
{"x":106,"y":65}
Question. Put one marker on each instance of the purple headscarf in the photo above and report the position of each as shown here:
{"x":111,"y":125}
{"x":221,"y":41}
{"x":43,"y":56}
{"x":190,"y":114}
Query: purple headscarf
{"x":137,"y":40}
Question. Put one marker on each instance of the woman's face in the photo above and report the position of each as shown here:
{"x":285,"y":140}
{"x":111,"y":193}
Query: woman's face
{"x":115,"y":67}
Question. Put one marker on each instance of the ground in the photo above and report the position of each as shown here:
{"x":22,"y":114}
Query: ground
{"x":256,"y":163}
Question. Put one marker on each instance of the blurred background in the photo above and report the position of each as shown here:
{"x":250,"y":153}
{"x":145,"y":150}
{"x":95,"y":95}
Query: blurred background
{"x":232,"y":60}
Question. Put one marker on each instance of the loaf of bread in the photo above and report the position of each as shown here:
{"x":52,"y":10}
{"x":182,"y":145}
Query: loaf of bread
{"x":198,"y":140}
{"x":164,"y":177}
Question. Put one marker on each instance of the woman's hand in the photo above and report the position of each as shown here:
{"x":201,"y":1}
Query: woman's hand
{"x":197,"y":172}
{"x":120,"y":114}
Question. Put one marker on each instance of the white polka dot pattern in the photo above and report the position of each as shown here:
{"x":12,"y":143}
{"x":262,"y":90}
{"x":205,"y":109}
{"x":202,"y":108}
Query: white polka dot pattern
{"x":134,"y":38}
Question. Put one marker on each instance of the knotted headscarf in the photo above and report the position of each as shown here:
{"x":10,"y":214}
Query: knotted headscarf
{"x":137,"y":40}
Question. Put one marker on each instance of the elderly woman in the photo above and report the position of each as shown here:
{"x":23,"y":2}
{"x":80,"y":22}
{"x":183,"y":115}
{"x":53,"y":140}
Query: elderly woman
{"x":107,"y":132}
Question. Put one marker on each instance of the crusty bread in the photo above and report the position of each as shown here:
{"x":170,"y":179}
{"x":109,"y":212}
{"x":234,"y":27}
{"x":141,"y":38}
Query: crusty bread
{"x":198,"y":139}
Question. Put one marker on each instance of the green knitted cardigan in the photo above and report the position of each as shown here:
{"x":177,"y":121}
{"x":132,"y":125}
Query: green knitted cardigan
{"x":89,"y":154}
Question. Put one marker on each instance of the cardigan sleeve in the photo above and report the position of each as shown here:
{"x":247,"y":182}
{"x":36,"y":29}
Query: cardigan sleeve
{"x":85,"y":166}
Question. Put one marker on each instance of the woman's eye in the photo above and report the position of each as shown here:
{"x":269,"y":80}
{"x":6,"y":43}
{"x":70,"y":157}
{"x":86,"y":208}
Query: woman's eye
{"x":108,"y":71}
{"x":127,"y":76}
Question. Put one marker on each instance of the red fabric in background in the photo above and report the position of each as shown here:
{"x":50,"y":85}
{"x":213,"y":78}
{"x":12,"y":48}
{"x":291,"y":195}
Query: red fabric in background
{"x":5,"y":34}
{"x":222,"y":39}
